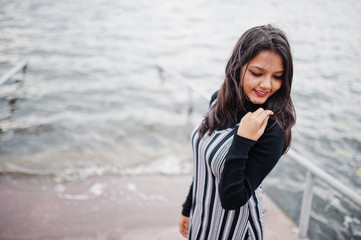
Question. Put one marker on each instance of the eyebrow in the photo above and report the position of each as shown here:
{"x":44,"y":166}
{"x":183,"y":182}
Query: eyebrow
{"x":263,"y":69}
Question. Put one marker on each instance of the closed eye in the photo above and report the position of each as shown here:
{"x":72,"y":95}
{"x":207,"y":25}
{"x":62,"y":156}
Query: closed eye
{"x":278,"y":77}
{"x":255,"y":74}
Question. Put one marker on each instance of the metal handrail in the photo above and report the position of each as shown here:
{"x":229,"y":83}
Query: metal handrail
{"x":312,"y":173}
{"x":327,"y":178}
{"x":182,"y":80}
{"x":20,"y":66}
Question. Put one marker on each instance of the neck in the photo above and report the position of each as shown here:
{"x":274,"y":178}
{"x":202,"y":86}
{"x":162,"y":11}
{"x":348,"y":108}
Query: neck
{"x":251,"y":107}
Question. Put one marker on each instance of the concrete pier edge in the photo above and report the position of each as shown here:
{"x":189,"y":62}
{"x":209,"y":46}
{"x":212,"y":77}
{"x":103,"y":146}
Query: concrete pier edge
{"x":107,"y":207}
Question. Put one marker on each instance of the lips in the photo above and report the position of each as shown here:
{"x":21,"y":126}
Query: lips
{"x":261,"y":93}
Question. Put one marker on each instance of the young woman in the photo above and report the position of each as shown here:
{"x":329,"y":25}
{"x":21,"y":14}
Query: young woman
{"x":240,"y":140}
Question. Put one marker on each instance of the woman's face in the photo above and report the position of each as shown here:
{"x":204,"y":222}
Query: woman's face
{"x":263,"y":77}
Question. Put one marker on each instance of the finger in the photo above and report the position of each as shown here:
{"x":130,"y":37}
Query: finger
{"x":263,"y":115}
{"x":258,"y":112}
{"x":181,"y":227}
{"x":264,"y":123}
{"x":183,"y":232}
{"x":247,"y":116}
{"x":184,"y":229}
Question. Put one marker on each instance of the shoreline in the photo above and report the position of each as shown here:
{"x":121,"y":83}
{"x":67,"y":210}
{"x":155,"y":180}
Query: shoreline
{"x":107,"y":207}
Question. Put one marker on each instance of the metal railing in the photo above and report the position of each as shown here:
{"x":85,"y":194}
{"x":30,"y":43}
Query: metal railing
{"x":20,"y":66}
{"x":312,"y":171}
{"x":13,"y":86}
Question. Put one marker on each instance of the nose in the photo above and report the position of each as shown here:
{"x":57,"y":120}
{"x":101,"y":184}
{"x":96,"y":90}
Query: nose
{"x":266,"y":83}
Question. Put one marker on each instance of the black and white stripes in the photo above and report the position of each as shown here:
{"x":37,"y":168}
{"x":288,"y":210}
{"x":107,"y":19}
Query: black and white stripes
{"x":208,"y":220}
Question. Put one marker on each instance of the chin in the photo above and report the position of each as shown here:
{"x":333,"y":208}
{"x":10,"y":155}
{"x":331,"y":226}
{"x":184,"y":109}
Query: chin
{"x":258,"y":102}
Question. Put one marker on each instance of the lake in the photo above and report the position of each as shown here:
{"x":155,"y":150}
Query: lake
{"x":93,"y":102}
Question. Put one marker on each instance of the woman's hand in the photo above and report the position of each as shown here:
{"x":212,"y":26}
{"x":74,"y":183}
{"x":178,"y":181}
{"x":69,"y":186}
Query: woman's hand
{"x":183,"y":225}
{"x":252,"y":125}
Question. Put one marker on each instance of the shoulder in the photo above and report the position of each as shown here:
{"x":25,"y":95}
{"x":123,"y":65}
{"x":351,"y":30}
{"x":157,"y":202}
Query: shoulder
{"x":213,"y":98}
{"x":273,"y":128}
{"x":273,"y":136}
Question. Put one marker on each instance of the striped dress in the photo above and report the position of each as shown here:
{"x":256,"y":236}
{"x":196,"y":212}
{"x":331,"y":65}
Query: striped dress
{"x":208,"y":219}
{"x":225,"y":198}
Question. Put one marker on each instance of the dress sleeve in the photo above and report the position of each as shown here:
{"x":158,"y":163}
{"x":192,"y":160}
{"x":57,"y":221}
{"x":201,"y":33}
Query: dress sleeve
{"x":247,"y":163}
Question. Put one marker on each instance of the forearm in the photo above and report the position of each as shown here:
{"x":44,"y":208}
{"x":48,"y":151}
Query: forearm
{"x":247,"y":164}
{"x":187,"y":205}
{"x":235,"y":189}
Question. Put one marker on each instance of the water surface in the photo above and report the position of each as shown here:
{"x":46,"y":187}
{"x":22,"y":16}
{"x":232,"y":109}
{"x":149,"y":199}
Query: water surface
{"x":92,"y":101}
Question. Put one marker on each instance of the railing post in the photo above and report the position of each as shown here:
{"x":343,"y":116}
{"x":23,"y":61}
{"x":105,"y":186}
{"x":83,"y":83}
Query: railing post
{"x":190,"y":105}
{"x":306,"y":205}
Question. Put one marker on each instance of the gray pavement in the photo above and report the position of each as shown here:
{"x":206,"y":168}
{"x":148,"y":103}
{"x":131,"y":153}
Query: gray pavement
{"x":106,"y":207}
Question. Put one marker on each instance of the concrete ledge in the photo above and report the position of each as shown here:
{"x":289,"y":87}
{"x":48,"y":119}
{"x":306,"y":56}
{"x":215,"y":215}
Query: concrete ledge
{"x":106,"y":207}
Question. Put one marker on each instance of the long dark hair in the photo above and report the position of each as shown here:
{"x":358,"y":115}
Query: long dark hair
{"x":231,"y":97}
